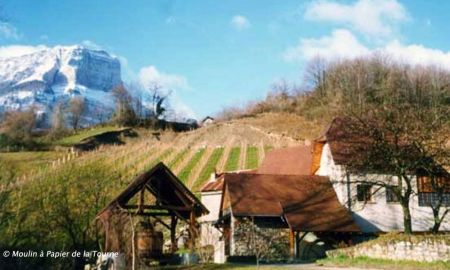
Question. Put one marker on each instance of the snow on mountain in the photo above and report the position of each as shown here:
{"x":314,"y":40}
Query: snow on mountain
{"x":47,"y":77}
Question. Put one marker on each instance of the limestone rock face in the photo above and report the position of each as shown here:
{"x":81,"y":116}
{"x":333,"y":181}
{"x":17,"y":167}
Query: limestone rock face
{"x":50,"y":76}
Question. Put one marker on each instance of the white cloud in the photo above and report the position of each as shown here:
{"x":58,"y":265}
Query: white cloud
{"x":172,"y":83}
{"x":417,"y":54}
{"x":342,"y":44}
{"x":182,"y":110}
{"x":18,"y":50}
{"x":91,"y":45}
{"x":240,"y":22}
{"x":151,"y":75}
{"x":8,"y":31}
{"x":370,"y":17}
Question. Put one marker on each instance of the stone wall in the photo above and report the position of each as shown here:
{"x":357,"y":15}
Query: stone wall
{"x":401,"y":247}
{"x":272,"y":243}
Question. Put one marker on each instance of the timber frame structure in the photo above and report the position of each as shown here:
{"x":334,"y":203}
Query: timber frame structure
{"x":169,"y":198}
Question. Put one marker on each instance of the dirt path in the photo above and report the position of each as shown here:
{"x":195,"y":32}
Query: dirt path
{"x":226,"y":152}
{"x":261,"y":153}
{"x":191,"y":152}
{"x":243,"y":156}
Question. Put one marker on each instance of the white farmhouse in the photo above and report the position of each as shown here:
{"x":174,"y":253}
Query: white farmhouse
{"x":276,"y":195}
{"x":373,"y":208}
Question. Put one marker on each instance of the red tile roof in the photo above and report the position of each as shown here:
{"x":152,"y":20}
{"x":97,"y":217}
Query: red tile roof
{"x":288,"y":161}
{"x":217,"y":184}
{"x":307,"y":202}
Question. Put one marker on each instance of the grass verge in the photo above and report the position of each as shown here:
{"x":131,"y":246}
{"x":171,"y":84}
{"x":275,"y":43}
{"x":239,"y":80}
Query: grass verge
{"x":85,"y":133}
{"x":209,"y":167}
{"x":366,"y":262}
{"x":23,"y":162}
{"x":186,"y":171}
{"x":251,"y":161}
{"x":233,"y":159}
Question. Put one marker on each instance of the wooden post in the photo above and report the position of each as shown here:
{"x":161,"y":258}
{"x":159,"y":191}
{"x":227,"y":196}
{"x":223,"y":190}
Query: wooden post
{"x":292,"y":244}
{"x":141,"y":201}
{"x":173,"y":231}
{"x":192,"y":229}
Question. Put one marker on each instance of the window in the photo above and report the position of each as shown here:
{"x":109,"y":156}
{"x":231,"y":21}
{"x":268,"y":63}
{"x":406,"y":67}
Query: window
{"x":391,"y":197}
{"x":431,"y":198}
{"x":364,"y":193}
{"x":426,"y":189}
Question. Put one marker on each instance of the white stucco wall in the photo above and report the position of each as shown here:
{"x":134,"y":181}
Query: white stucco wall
{"x":212,"y":202}
{"x":210,"y":235}
{"x":377,"y":215}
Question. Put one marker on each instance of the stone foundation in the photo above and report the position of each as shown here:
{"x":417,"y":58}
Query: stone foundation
{"x":416,"y":248}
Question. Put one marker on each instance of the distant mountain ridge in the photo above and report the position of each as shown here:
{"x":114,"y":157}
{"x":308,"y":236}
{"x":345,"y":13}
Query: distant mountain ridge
{"x":46,"y":77}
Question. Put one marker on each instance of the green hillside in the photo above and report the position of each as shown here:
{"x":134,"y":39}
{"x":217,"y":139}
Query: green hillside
{"x":52,"y":198}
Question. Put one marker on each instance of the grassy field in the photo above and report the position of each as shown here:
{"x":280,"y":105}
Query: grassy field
{"x":85,"y":133}
{"x":365,"y":262}
{"x":209,"y":167}
{"x":178,"y":158}
{"x":186,"y":171}
{"x":251,"y":158}
{"x":233,"y":159}
{"x":23,"y":161}
{"x":231,"y":267}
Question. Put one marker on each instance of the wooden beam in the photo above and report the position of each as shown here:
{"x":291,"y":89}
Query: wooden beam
{"x":162,"y":222}
{"x":152,"y":214}
{"x":140,"y":206}
{"x":173,"y":237}
{"x":158,"y":207}
{"x":292,"y":244}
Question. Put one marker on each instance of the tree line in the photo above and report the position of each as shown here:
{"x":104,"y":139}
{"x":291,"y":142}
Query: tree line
{"x":17,"y":128}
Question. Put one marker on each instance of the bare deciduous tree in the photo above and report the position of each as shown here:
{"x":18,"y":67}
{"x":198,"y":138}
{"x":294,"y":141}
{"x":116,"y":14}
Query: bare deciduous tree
{"x":58,"y":125}
{"x":76,"y":110}
{"x":18,"y":125}
{"x":158,"y":100}
{"x":125,"y":114}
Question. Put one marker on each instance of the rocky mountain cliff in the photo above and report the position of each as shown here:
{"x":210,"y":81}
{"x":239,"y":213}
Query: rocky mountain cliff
{"x":45,"y":78}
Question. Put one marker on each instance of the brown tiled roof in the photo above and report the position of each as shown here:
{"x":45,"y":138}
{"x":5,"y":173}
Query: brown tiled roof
{"x":217,"y":184}
{"x":345,"y":139}
{"x":307,"y":202}
{"x":288,"y":161}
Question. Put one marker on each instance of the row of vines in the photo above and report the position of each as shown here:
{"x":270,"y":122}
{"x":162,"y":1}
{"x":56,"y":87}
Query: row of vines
{"x":53,"y":207}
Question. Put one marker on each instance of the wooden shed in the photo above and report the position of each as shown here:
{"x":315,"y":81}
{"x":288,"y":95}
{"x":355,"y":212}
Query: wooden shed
{"x":157,"y":196}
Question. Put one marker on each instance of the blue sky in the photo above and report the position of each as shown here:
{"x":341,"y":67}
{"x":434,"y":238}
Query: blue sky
{"x":218,"y":53}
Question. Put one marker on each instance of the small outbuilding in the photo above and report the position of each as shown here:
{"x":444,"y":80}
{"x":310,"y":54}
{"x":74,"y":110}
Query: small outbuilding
{"x":298,"y":203}
{"x":208,"y":120}
{"x":155,"y":199}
